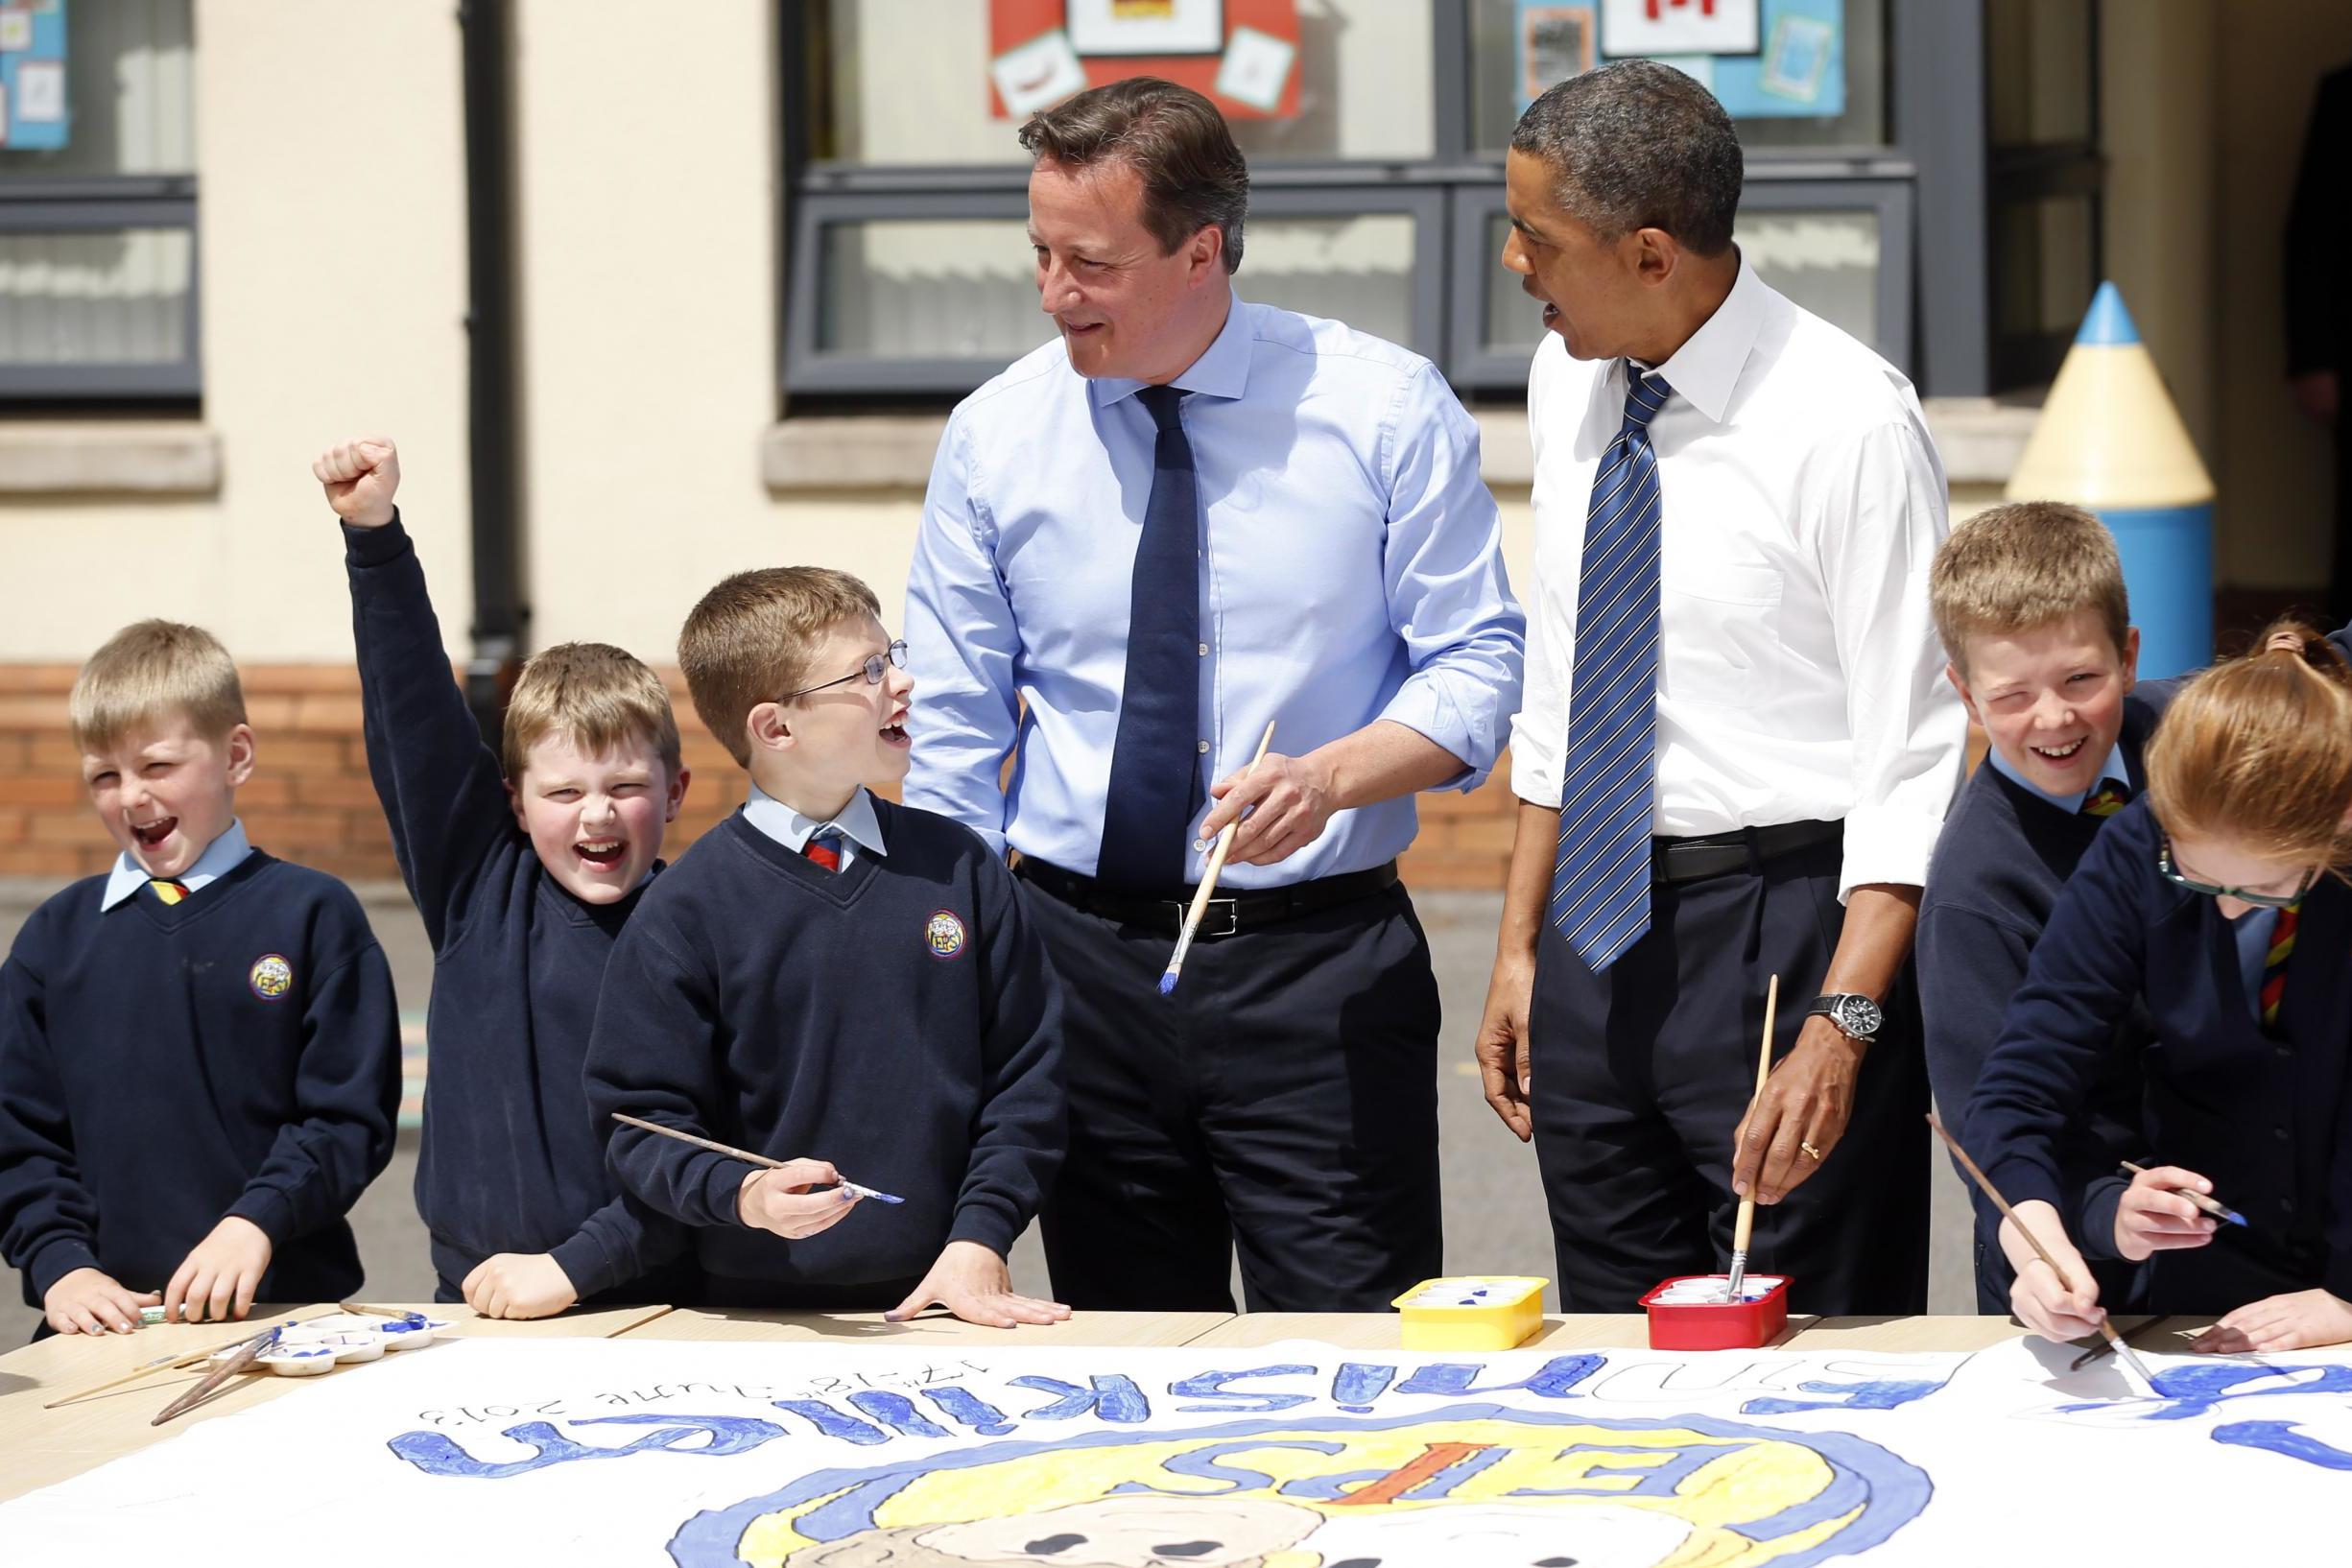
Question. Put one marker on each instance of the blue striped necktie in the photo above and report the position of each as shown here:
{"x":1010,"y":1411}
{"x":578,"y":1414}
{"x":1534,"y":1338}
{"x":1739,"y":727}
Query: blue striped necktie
{"x":1600,"y":879}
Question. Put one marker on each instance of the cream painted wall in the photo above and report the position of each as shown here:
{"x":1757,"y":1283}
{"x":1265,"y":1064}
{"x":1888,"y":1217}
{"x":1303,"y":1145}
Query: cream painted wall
{"x":649,"y":336}
{"x":332,"y":269}
{"x":2273,"y":474}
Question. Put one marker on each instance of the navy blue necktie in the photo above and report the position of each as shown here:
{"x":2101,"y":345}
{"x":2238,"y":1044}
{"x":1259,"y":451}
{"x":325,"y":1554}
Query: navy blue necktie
{"x":1154,"y":763}
{"x":1601,"y":881}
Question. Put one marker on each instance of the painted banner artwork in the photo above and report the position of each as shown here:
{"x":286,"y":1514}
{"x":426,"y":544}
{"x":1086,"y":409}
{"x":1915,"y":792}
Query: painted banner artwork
{"x":1297,"y":1455}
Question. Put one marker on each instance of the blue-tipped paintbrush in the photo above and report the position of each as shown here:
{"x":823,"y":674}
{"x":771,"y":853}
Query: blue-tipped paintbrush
{"x":2220,"y":1211}
{"x":1208,"y":882}
{"x":847,"y":1188}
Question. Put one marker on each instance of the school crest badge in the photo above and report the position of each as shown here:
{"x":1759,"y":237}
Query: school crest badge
{"x":943,"y":934}
{"x":270,"y":977}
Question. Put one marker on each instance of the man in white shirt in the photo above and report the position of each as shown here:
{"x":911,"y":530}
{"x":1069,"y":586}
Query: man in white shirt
{"x":1749,"y":729}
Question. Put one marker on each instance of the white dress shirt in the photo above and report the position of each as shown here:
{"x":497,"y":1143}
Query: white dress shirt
{"x":1799,"y":677}
{"x":222,"y":856}
{"x":861,"y":829}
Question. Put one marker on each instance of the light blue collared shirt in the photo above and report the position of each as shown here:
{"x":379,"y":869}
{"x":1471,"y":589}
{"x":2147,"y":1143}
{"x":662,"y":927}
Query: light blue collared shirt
{"x":2067,"y":803}
{"x":860,"y":828}
{"x":221,"y":855}
{"x":1351,"y":570}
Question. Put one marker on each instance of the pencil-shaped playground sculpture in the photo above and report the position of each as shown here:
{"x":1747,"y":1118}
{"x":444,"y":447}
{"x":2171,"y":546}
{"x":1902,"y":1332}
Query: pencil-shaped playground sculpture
{"x":1747,"y":1205}
{"x":2106,"y":1329}
{"x":1209,"y":881}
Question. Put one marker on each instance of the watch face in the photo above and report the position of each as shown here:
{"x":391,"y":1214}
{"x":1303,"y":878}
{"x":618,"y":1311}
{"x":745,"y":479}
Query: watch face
{"x":1858,"y":1015}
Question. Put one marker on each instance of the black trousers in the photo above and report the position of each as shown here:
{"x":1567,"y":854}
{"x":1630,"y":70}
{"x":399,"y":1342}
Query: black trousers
{"x":1641,"y":1076}
{"x":1283,"y":1101}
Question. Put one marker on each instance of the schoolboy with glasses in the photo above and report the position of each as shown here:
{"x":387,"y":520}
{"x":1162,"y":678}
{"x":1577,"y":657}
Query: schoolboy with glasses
{"x":2216,"y":900}
{"x":832,"y":978}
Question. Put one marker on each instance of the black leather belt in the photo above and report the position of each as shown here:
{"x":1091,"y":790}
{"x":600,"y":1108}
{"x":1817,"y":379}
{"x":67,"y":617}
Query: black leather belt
{"x":1719,"y":854}
{"x":1225,"y":916}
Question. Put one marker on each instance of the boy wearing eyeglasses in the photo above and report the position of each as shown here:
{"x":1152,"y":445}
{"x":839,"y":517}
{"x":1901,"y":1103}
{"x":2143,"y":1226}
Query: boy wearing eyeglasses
{"x":2215,"y":901}
{"x":2030,"y":601}
{"x":525,"y":864}
{"x":835,"y":983}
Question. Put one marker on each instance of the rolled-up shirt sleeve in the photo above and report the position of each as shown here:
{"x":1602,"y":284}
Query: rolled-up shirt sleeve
{"x":1449,"y":595}
{"x":962,"y":647}
{"x":1879,"y":509}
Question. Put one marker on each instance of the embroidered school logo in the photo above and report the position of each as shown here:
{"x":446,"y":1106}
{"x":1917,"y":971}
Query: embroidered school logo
{"x":945,"y":934}
{"x":270,"y":977}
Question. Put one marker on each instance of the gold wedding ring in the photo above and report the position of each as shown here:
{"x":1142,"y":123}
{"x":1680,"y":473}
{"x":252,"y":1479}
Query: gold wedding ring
{"x":1809,"y":1151}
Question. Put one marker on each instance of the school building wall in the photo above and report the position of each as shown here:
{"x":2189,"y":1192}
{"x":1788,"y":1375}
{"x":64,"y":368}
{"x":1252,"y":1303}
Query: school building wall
{"x":651,"y":453}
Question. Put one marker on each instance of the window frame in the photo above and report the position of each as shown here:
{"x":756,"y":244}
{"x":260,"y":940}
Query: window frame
{"x":51,"y":204}
{"x":1928,"y":182}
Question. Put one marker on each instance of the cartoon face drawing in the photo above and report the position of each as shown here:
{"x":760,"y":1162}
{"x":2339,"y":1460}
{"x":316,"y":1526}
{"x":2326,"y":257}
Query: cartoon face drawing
{"x":1129,"y":1532}
{"x":1498,"y":1535}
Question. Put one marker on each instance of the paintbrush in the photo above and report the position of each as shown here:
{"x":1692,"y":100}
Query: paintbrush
{"x":2106,"y":1329}
{"x":245,"y":1357}
{"x":2220,"y":1211}
{"x":848,"y":1187}
{"x":2098,"y":1350}
{"x":398,"y":1314}
{"x":1209,"y":881}
{"x":174,"y":1360}
{"x":1747,"y":1205}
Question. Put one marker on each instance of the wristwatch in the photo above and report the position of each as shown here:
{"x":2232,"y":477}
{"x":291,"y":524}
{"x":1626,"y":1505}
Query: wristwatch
{"x":1857,"y":1016}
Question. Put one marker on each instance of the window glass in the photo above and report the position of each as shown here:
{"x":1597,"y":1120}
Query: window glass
{"x":109,"y":297}
{"x":1826,"y":260}
{"x":909,"y":289}
{"x":909,"y":81}
{"x":1817,"y":78}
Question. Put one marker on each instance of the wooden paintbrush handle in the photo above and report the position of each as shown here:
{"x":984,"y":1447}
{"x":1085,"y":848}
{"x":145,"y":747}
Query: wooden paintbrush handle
{"x":1746,"y":1223}
{"x":1224,"y":847}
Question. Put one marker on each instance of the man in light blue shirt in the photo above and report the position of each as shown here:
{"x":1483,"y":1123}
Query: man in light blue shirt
{"x":1187,"y":519}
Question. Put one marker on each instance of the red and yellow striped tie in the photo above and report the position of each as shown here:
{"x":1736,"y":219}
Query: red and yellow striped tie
{"x":2275,"y":964}
{"x":168,"y":891}
{"x":2106,"y":800}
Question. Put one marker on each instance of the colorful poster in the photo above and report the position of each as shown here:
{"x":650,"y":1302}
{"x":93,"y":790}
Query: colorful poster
{"x":35,"y":115}
{"x":1796,"y":69}
{"x":1243,"y":54}
{"x":966,"y":1455}
{"x":1678,"y":27}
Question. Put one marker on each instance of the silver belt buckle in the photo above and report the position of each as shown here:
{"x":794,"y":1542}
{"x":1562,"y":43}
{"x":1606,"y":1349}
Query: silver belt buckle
{"x":1221,"y":918}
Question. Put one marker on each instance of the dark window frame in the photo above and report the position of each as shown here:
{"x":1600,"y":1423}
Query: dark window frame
{"x":1929,"y":182}
{"x":49,"y":204}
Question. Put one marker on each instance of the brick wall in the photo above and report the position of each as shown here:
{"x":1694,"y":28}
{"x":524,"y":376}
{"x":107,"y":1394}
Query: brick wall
{"x":309,"y":799}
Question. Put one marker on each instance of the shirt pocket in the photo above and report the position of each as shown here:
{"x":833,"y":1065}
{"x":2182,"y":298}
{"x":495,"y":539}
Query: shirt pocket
{"x":1719,"y":625}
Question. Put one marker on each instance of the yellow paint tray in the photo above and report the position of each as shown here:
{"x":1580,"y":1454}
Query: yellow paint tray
{"x":1472,"y":1311}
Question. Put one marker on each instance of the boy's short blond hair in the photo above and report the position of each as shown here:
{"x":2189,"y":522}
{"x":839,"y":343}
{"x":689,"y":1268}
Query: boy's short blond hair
{"x":594,"y":695}
{"x":151,"y":671}
{"x":2022,"y":567}
{"x":750,"y":640}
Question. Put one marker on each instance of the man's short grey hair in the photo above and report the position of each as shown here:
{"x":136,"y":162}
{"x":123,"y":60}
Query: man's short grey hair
{"x":1636,"y":144}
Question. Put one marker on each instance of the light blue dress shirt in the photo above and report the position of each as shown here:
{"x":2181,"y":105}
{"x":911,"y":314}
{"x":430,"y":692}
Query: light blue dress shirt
{"x":861,"y":828}
{"x":2067,"y":803}
{"x":1351,"y":570}
{"x":221,"y":857}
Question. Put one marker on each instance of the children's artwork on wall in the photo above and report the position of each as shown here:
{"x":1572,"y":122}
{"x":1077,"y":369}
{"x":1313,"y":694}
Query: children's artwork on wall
{"x":1768,"y":59}
{"x":1242,"y":54}
{"x":33,"y":114}
{"x":1297,"y":1455}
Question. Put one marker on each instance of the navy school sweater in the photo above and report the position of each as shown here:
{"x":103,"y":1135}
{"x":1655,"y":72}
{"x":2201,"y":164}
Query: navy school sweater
{"x":2003,"y":855}
{"x":162,"y":1068}
{"x":2263,"y":1117}
{"x":510,"y":1159}
{"x":895,"y":1017}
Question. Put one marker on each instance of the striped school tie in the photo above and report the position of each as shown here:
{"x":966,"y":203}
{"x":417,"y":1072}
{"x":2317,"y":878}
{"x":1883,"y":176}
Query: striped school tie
{"x":168,"y":890}
{"x":824,"y":847}
{"x":2274,"y":964}
{"x":2108,"y":800}
{"x":1600,"y":880}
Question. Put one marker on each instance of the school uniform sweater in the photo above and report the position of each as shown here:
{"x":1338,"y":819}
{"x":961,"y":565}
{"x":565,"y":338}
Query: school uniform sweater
{"x":895,"y":1017}
{"x":2003,"y":855}
{"x":2262,"y":1115}
{"x":510,"y":1159}
{"x":164,"y":1067}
